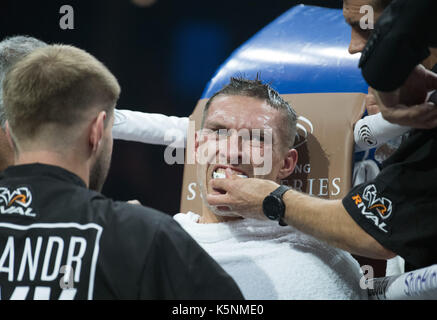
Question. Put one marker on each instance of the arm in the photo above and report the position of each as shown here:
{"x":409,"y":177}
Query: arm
{"x":152,"y":128}
{"x":326,"y":220}
{"x":408,"y":105}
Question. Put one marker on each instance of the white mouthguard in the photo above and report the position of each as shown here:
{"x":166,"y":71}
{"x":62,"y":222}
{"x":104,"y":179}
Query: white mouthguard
{"x":218,"y":175}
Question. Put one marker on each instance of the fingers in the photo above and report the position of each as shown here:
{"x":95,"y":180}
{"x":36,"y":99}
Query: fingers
{"x":134,"y":202}
{"x":230,"y":175}
{"x":422,"y":116}
{"x":217,"y":199}
{"x":222,"y":184}
{"x":431,"y":80}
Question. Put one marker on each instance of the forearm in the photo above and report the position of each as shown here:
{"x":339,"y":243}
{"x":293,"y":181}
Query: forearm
{"x":328,"y":220}
{"x":152,"y":128}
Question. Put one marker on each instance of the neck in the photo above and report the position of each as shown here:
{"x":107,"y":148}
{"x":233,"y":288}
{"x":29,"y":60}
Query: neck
{"x":70,"y":163}
{"x":209,"y":217}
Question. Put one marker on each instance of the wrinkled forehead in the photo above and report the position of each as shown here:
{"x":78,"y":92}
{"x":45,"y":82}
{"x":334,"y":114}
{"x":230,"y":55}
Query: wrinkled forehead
{"x":240,"y":112}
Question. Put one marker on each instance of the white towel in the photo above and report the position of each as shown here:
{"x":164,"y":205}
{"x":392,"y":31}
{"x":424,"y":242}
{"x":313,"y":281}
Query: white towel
{"x":268,"y":261}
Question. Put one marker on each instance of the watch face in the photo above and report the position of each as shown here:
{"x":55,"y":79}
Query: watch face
{"x":273,"y":207}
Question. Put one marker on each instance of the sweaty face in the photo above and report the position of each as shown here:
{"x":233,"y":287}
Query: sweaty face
{"x":240,"y":133}
{"x":353,"y":16}
{"x":100,"y":170}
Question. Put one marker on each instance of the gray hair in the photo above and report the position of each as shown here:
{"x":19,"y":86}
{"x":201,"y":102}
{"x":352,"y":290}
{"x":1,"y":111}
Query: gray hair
{"x":12,"y":50}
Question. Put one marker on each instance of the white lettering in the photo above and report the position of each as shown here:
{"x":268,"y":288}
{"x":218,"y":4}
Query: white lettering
{"x":8,"y":253}
{"x":11,"y":210}
{"x":174,"y":152}
{"x":191,"y":187}
{"x":68,"y":294}
{"x":66,"y":21}
{"x":50,"y":277}
{"x":31,"y":260}
{"x":367,"y":20}
{"x":20,"y":293}
{"x":297,"y":184}
{"x":323,"y":186}
{"x":67,"y":281}
{"x":371,"y":216}
{"x":78,"y":258}
{"x":41,"y":293}
{"x":310,"y":191}
{"x":368,"y":274}
{"x":336,"y":187}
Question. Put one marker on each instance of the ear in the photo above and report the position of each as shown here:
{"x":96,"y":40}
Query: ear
{"x":97,"y":131}
{"x":9,"y":137}
{"x":288,"y":164}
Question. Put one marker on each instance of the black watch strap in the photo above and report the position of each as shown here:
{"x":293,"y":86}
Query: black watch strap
{"x":279,"y":192}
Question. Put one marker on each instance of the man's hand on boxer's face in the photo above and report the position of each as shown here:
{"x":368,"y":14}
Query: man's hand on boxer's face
{"x":243,"y":196}
{"x":406,"y":105}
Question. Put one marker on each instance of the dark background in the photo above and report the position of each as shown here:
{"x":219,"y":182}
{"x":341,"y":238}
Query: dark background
{"x":163,"y":57}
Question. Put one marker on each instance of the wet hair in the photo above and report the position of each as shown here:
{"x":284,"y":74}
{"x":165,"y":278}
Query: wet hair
{"x":240,"y":86}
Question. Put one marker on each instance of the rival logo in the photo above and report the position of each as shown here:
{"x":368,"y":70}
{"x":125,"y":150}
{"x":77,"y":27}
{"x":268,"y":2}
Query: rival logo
{"x":382,"y":206}
{"x":16,"y":202}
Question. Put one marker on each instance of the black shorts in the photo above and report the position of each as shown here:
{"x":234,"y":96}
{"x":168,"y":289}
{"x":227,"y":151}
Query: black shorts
{"x":399,"y":207}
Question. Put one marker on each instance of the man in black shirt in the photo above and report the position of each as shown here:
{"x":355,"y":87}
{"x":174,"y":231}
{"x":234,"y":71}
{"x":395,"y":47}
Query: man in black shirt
{"x":60,"y":240}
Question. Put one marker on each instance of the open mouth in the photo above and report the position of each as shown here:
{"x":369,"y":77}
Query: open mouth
{"x":220,"y":173}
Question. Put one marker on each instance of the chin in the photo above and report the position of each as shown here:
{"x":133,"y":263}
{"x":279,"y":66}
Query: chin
{"x":224,"y":213}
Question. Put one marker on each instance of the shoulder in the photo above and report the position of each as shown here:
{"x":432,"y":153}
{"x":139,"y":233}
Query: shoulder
{"x":126,"y":215}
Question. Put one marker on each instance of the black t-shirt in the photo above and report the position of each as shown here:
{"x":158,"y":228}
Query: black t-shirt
{"x":60,"y":240}
{"x":399,"y":207}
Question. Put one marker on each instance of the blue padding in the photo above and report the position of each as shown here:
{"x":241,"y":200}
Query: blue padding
{"x":302,"y":51}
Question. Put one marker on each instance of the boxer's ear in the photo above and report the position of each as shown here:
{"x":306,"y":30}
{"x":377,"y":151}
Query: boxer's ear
{"x":288,"y":164}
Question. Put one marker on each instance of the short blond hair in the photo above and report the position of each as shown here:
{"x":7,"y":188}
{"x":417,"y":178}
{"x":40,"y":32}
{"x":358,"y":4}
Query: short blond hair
{"x":56,"y":85}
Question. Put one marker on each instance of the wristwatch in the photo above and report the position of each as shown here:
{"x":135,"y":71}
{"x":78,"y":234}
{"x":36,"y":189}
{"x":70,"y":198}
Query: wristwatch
{"x":274,"y":206}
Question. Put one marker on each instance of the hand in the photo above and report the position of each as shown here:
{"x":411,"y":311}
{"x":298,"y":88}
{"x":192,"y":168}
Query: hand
{"x":243,"y":196}
{"x":370,"y":103}
{"x":407,"y":106}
